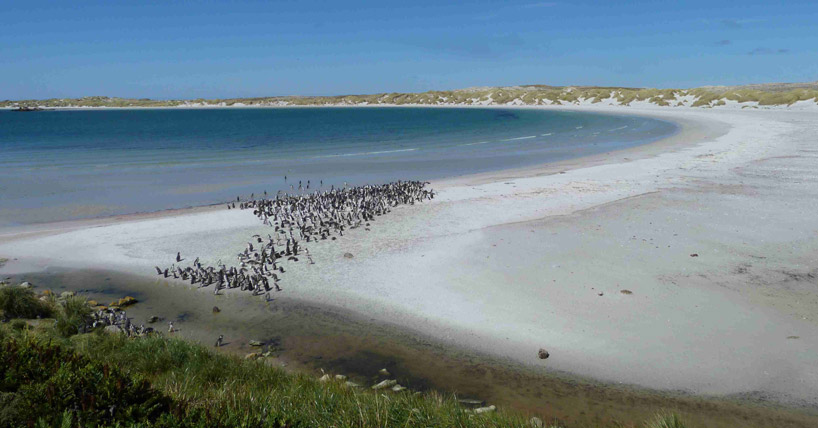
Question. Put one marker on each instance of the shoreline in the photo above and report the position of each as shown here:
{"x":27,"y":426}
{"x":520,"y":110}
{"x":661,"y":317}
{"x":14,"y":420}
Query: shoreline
{"x":601,"y":188}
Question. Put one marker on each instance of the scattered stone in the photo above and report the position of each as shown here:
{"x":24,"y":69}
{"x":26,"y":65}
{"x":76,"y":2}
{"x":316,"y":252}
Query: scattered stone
{"x":471,"y":402}
{"x":793,"y":337}
{"x":252,"y":356}
{"x":626,"y":291}
{"x":340,"y":377}
{"x":153,"y":319}
{"x":324,"y":378}
{"x":123,"y":302}
{"x":535,"y":422}
{"x":112,"y":329}
{"x":267,"y":354}
{"x":543,"y":354}
{"x":487,"y":409}
{"x":351,"y":384}
{"x":26,"y":285}
{"x":255,"y":343}
{"x":398,"y":388}
{"x":383,"y":372}
{"x":67,"y":294}
{"x":348,"y":255}
{"x":385,"y":384}
{"x":600,"y":294}
{"x":694,"y":255}
{"x":216,"y":310}
{"x":93,"y":303}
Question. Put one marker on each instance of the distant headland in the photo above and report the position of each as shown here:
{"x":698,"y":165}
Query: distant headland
{"x":746,"y":96}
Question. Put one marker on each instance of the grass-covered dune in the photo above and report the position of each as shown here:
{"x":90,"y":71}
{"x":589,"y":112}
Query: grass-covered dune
{"x":749,"y":96}
{"x":52,"y":375}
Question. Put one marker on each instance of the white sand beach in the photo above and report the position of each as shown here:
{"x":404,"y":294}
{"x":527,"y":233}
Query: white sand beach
{"x":713,"y":231}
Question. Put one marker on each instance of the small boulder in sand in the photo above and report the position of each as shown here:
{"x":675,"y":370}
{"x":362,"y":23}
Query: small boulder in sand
{"x":153,"y":319}
{"x":535,"y":422}
{"x":385,"y":384}
{"x":487,"y":409}
{"x":694,"y":255}
{"x":340,"y":377}
{"x":543,"y":354}
{"x":216,"y":310}
{"x":626,"y":291}
{"x":324,"y":378}
{"x":398,"y":388}
{"x":351,"y":384}
{"x":252,"y":356}
{"x":383,"y":372}
{"x":112,"y":329}
{"x":26,"y":285}
{"x":255,"y":343}
{"x":348,"y":255}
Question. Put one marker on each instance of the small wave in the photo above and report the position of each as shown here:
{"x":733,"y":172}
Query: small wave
{"x":578,"y":127}
{"x":365,"y":153}
{"x":521,"y":138}
{"x":545,"y":135}
{"x":617,"y":129}
{"x":473,"y":144}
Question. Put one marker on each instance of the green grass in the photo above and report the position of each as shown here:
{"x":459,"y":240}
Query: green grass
{"x":19,"y":302}
{"x":50,"y":375}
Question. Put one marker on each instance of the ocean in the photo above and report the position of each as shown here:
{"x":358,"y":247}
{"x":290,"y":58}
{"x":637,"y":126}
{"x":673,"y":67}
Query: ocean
{"x":74,"y":164}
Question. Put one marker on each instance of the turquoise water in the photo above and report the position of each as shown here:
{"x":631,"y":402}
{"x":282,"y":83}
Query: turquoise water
{"x":61,"y":165}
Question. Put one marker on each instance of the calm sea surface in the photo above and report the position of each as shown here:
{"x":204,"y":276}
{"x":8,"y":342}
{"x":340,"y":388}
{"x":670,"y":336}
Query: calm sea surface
{"x":61,"y":165}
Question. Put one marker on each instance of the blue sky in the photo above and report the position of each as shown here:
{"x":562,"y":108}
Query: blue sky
{"x":185,"y":49}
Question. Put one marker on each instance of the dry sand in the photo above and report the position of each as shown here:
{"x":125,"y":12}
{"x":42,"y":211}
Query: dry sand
{"x":512,"y":261}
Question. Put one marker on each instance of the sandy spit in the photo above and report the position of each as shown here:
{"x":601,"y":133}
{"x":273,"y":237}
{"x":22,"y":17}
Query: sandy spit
{"x":712,"y":231}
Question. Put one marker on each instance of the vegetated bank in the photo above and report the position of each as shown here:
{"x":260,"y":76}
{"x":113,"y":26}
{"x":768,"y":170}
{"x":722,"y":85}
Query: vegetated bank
{"x":57,"y":369}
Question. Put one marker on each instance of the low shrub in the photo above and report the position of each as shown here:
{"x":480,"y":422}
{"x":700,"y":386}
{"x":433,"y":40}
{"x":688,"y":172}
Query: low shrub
{"x":19,"y":302}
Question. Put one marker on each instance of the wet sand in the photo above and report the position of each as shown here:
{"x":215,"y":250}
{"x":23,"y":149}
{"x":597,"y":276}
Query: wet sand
{"x":315,"y":339}
{"x":713,"y":232}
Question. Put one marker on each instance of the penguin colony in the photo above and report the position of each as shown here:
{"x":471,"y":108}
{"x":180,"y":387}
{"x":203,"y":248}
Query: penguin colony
{"x":295,"y":220}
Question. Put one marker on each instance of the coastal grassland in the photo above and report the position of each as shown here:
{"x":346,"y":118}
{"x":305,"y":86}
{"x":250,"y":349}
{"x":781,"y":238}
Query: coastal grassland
{"x":54,"y":376}
{"x":782,"y":94}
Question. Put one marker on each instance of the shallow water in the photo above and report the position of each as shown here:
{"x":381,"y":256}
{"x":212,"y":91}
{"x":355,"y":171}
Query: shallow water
{"x":313,"y":338}
{"x":62,"y":165}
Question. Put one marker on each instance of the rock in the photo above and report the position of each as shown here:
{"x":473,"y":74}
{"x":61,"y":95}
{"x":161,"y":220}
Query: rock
{"x":26,"y":285}
{"x":385,"y":384}
{"x":340,"y":377}
{"x":471,"y":402}
{"x":383,"y":372}
{"x":398,"y":388}
{"x":112,"y":329}
{"x":153,"y":319}
{"x":255,"y":343}
{"x":543,"y":354}
{"x":351,"y":384}
{"x":126,"y":301}
{"x":252,"y":356}
{"x":487,"y":409}
{"x":348,"y":255}
{"x":535,"y":422}
{"x":216,"y":310}
{"x":67,"y":294}
{"x":600,"y":294}
{"x":694,"y":255}
{"x":325,"y":378}
{"x":793,"y":337}
{"x":626,"y":291}
{"x":93,"y":303}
